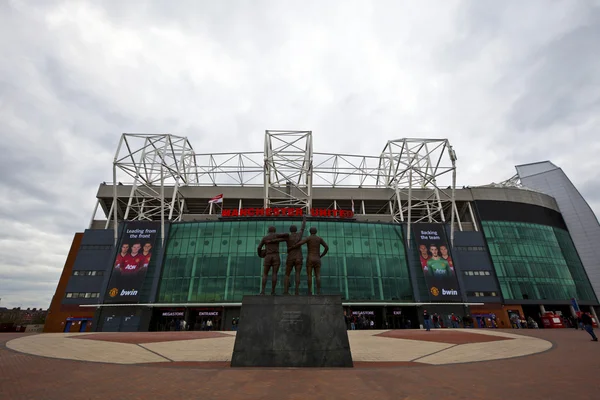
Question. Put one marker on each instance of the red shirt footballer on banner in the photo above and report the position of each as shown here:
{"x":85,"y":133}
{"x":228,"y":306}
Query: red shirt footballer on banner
{"x":133,"y":261}
{"x":121,"y":256}
{"x":423,"y":256}
{"x":146,"y":255}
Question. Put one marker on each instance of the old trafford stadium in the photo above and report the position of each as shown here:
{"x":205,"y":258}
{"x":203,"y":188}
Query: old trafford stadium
{"x":177,"y":239}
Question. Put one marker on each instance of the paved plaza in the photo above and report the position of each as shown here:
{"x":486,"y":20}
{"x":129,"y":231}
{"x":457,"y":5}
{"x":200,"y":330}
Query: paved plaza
{"x":396,"y":364}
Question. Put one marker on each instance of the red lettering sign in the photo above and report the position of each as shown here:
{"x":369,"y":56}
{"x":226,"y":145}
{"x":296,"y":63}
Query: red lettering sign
{"x":285,"y":212}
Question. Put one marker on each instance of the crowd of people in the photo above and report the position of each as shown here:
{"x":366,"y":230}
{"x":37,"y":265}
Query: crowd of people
{"x":430,"y":321}
{"x":360,"y":321}
{"x":182,"y":325}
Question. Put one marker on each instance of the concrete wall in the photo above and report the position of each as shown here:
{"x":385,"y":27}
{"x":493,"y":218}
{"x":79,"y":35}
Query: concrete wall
{"x":94,"y":254}
{"x":59,"y":312}
{"x":320,"y":193}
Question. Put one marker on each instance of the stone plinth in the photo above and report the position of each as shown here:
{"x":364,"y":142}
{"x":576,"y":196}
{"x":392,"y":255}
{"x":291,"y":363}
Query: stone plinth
{"x":292,"y":331}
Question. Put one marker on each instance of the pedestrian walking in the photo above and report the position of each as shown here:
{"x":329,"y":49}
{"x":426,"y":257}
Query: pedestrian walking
{"x":588,"y":326}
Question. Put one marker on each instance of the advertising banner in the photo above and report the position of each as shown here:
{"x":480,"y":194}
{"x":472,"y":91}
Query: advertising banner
{"x":574,"y":304}
{"x":131,"y":264}
{"x":436,"y":262}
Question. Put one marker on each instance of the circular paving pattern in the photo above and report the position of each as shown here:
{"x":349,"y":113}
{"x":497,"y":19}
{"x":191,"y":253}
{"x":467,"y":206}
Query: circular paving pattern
{"x":370,"y":348}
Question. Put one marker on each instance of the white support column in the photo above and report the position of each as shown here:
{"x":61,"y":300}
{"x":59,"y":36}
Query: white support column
{"x":472,"y":216}
{"x":141,"y":214}
{"x":131,"y":194}
{"x":240,"y":205}
{"x":362,"y":207}
{"x":409,"y":206}
{"x":453,"y":208}
{"x":439,"y":205}
{"x":173,"y":199}
{"x":429,"y":219}
{"x":266,"y":170}
{"x":593,"y":312}
{"x":457,"y":219}
{"x":110,"y":213}
{"x":309,"y":172}
{"x":542,"y":309}
{"x":335,"y":205}
{"x":572,"y":309}
{"x":94,"y":213}
{"x":162,"y":194}
{"x":113,"y":207}
{"x":399,"y":203}
{"x":181,"y":208}
{"x":210,"y":207}
{"x":176,"y":187}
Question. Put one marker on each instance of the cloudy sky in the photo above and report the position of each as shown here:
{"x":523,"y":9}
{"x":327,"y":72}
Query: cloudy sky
{"x":507,"y":82}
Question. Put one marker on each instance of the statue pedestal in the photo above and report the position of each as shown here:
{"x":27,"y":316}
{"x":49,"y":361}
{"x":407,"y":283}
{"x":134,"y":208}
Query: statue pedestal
{"x":292,"y":331}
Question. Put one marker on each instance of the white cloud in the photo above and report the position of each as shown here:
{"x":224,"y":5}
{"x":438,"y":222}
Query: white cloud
{"x":507,"y":83}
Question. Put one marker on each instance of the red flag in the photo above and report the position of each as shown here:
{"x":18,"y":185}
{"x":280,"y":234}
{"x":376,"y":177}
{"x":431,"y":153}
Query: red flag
{"x":217,"y":199}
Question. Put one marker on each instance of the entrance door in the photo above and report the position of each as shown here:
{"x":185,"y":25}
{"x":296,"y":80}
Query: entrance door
{"x":68,"y":327}
{"x":202,"y":323}
{"x":111,"y":324}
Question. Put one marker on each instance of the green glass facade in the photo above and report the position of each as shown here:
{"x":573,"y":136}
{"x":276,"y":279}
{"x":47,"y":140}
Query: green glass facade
{"x":536,"y":262}
{"x":217,"y":262}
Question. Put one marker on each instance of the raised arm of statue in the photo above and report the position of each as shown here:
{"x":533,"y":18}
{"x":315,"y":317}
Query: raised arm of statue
{"x":303,"y":225}
{"x":326,"y":248}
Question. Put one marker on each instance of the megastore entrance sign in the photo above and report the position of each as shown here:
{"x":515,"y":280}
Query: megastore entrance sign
{"x":285,"y":212}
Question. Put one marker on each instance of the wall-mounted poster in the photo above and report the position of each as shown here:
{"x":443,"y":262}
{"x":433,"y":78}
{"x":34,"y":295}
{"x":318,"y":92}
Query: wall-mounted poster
{"x":436,"y":262}
{"x":131,"y":263}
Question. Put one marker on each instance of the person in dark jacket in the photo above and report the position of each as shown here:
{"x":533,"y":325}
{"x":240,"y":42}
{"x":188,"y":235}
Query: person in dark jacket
{"x":426,"y":320}
{"x":587,"y":325}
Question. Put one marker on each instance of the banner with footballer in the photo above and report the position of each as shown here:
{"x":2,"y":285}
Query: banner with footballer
{"x":436,"y":262}
{"x":131,"y":263}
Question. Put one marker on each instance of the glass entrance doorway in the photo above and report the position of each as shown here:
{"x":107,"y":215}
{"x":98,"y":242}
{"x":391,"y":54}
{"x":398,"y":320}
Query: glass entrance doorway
{"x":206,"y":319}
{"x":402,"y":318}
{"x":170,"y":320}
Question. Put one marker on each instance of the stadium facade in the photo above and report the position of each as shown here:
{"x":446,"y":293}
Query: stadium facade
{"x":174,"y":236}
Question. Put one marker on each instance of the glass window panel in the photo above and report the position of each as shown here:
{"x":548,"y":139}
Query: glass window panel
{"x":535,"y":262}
{"x":369,"y":258}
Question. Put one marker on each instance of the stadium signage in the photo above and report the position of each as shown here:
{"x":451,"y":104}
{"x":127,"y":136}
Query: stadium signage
{"x":285,"y":212}
{"x":208,"y":313}
{"x":173,"y":313}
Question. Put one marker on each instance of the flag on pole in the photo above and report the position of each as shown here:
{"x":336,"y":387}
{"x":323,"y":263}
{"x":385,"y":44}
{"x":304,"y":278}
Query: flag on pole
{"x":216,"y":199}
{"x":352,"y":205}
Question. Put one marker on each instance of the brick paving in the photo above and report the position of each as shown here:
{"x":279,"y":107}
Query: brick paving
{"x":442,"y":336}
{"x":441,"y":347}
{"x":568,"y":370}
{"x":150,"y":337}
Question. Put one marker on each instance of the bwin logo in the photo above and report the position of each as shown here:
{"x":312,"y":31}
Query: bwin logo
{"x":128,"y":292}
{"x":450,"y":292}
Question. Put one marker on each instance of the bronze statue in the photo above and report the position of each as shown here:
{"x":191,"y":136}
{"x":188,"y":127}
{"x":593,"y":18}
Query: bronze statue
{"x":294,"y":256}
{"x":271,"y":256}
{"x":313,"y":262}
